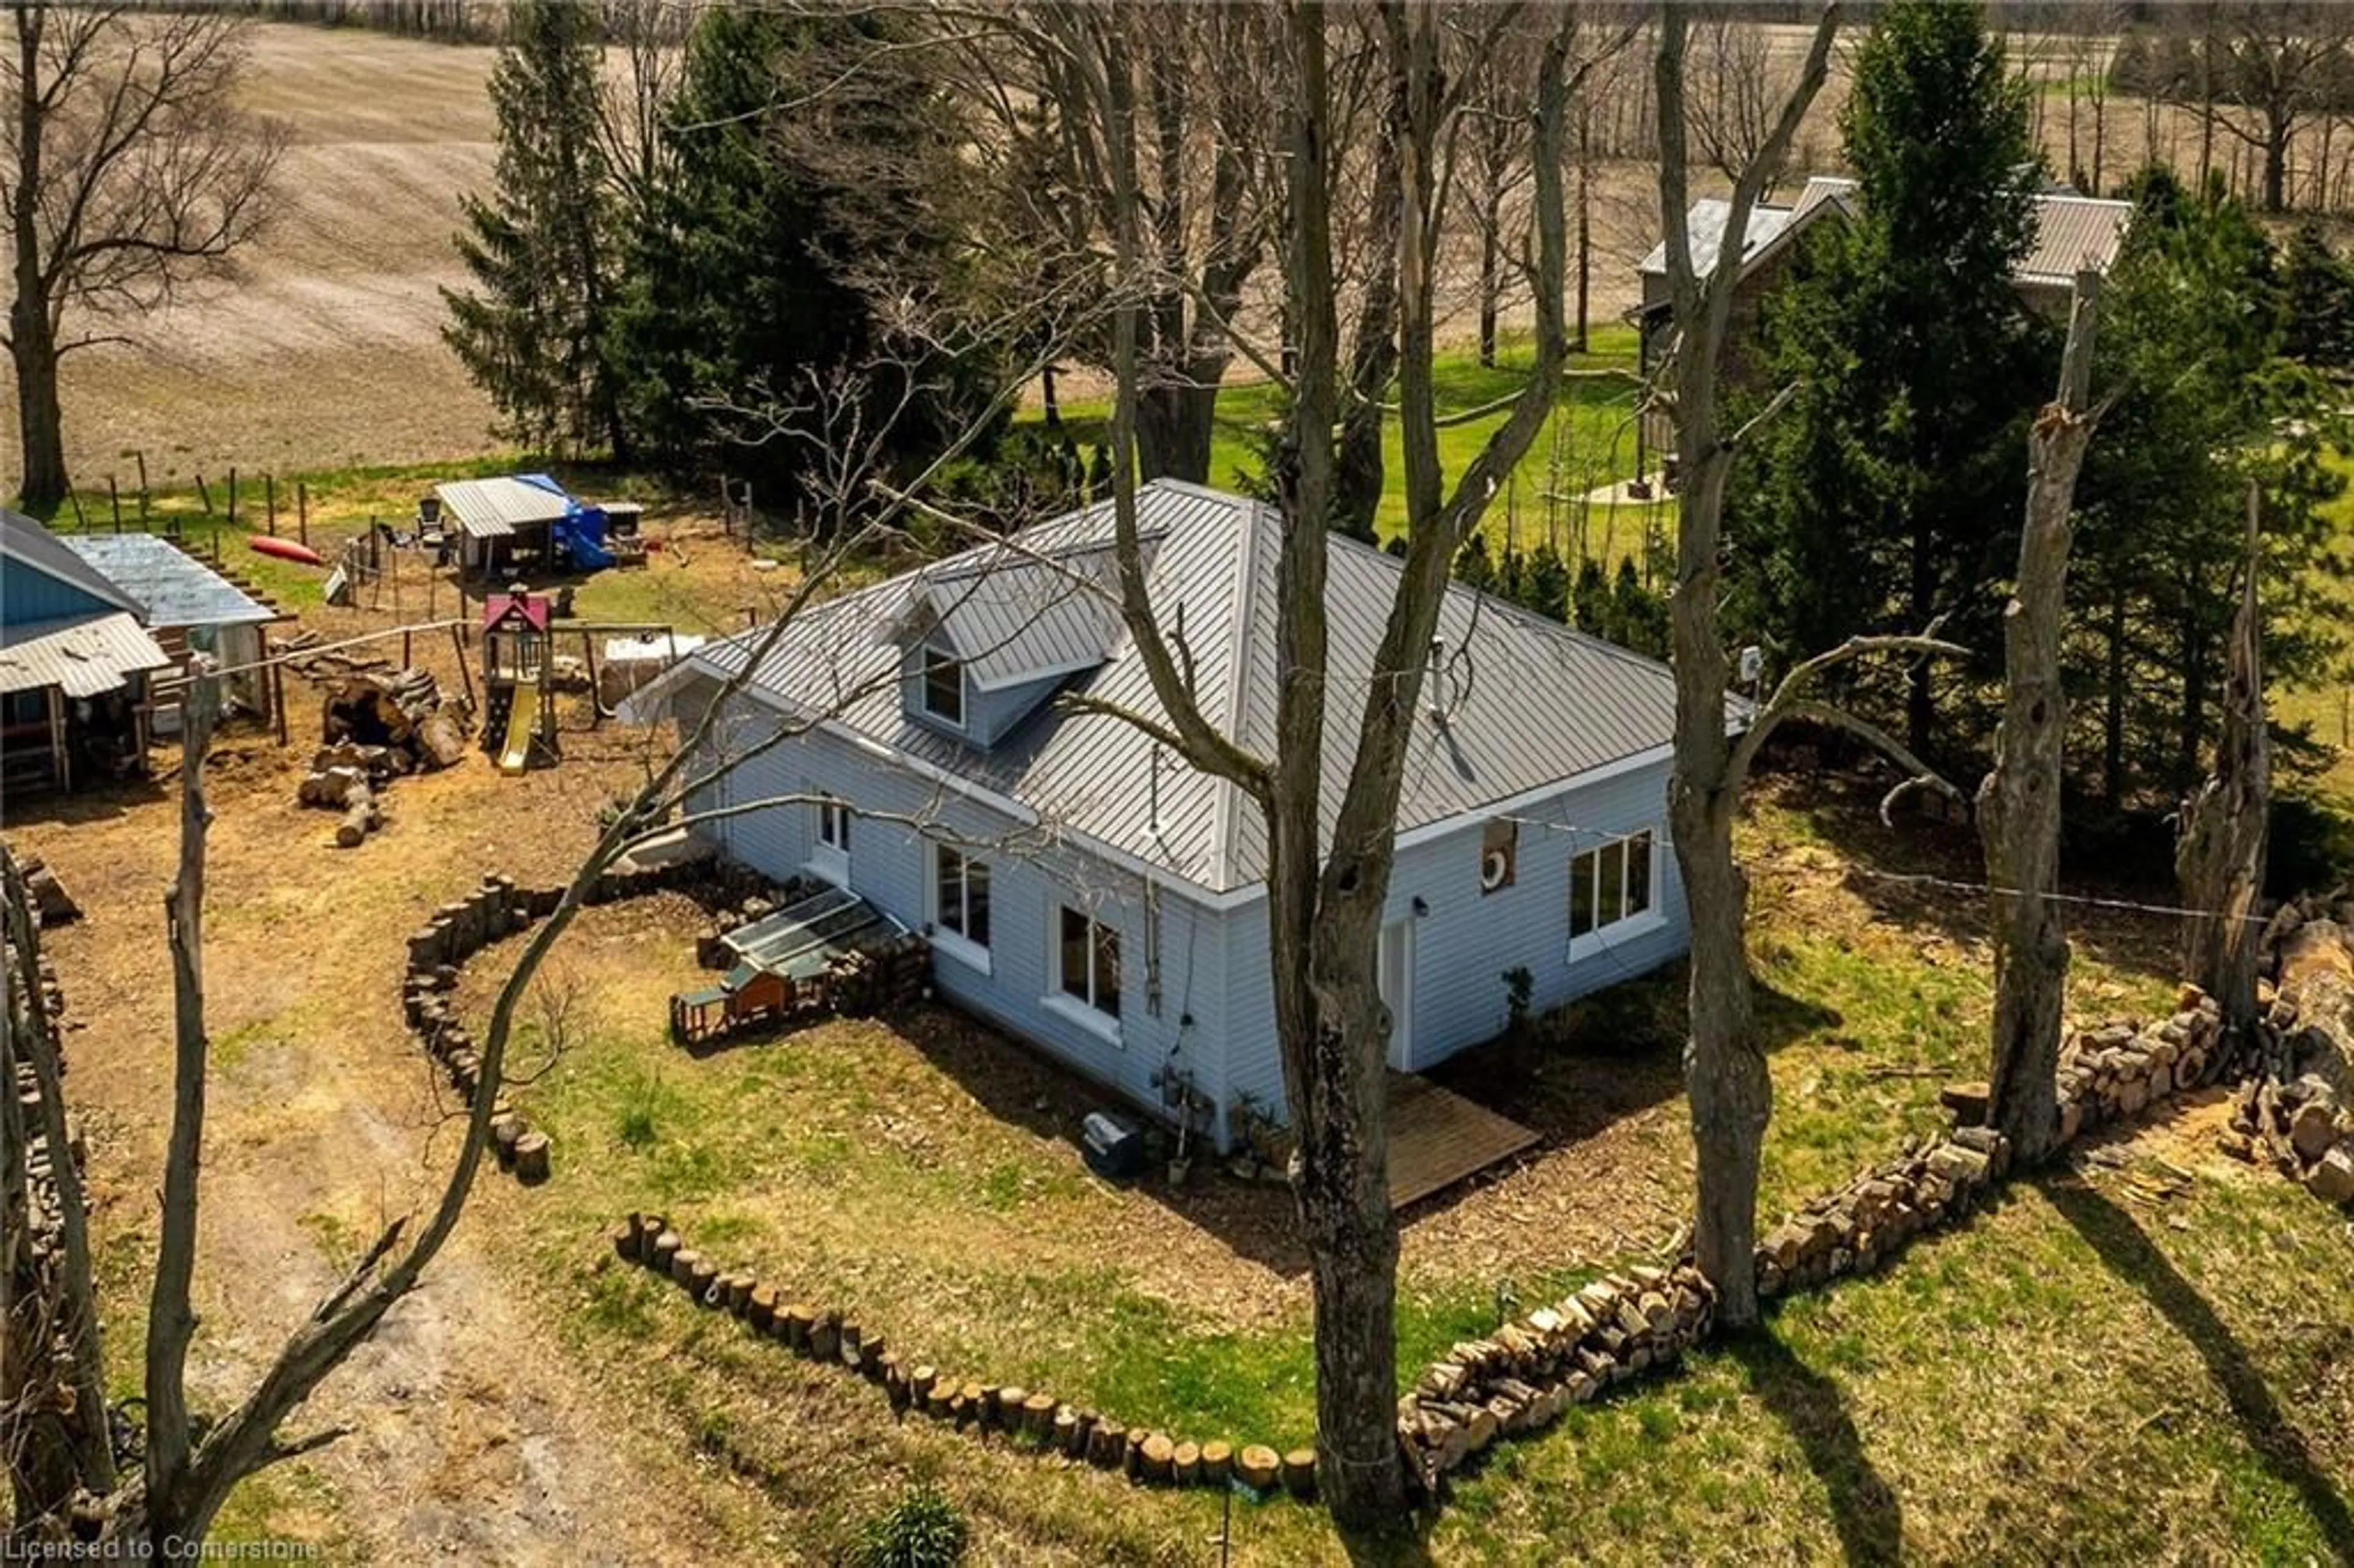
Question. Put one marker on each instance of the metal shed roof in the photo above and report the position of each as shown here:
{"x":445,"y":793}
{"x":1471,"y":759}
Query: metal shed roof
{"x":177,"y":589}
{"x":83,"y":656}
{"x":24,"y":543}
{"x":494,"y":508}
{"x":1522,"y":703}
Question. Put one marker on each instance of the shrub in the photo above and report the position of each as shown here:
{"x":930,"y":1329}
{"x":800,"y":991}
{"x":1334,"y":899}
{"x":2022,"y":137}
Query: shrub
{"x":923,"y":1529}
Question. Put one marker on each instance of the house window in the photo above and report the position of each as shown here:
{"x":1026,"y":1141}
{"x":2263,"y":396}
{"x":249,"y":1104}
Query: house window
{"x":943,"y":686}
{"x":1499,"y":856}
{"x":1610,"y":882}
{"x":961,"y":896}
{"x":833,"y":825}
{"x":1088,"y":961}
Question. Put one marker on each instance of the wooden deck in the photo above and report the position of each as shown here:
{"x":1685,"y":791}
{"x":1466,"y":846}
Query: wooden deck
{"x":1437,"y":1137}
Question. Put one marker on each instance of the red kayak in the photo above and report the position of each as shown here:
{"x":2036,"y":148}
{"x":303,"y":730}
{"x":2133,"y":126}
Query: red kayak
{"x":286,"y":550}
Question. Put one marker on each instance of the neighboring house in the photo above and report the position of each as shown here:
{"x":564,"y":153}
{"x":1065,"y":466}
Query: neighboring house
{"x":188,"y":606}
{"x":1087,"y":889}
{"x":2071,"y":231}
{"x":74,"y":665}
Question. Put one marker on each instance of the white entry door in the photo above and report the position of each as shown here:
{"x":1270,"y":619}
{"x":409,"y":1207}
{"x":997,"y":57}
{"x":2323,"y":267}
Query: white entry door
{"x":1397,"y":990}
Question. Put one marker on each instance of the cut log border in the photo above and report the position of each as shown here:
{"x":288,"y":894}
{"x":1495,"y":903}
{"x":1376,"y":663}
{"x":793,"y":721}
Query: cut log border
{"x":1032,"y":1420}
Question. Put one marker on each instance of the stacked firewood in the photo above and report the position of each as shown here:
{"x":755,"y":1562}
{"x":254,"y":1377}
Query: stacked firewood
{"x":1033,"y":1418}
{"x":1522,"y":1377}
{"x":1865,"y":1223}
{"x":2120,"y":1068}
{"x":2302,"y":1127}
{"x":879,"y":976}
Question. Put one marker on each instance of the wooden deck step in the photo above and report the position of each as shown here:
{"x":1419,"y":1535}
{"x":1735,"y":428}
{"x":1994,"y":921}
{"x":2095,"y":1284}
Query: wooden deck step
{"x":1437,"y":1137}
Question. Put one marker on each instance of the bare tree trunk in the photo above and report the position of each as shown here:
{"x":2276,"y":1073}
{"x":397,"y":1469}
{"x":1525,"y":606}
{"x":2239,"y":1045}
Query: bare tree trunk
{"x":1731,"y":1093}
{"x":1358,"y":478}
{"x":32,"y":323}
{"x":171,"y":1321}
{"x":2018,"y":803}
{"x":2219,"y":860}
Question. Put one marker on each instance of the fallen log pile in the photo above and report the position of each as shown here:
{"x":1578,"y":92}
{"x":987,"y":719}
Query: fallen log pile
{"x":2302,"y":1127}
{"x":378,"y":727}
{"x":52,"y":905}
{"x":1033,"y":1418}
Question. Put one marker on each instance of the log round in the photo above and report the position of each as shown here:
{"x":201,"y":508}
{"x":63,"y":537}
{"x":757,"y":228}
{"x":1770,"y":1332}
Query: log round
{"x":1300,"y":1473}
{"x":1256,"y":1466}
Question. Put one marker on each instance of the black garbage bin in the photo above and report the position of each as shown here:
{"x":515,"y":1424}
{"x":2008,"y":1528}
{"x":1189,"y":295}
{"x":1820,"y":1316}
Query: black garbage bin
{"x":1112,"y":1147}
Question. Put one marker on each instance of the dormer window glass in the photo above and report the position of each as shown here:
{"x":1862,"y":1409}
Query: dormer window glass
{"x":941,"y":691}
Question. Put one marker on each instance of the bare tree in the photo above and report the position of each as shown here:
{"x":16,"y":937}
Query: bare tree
{"x":2018,"y":803}
{"x":126,"y":169}
{"x":2265,"y":72}
{"x":2219,"y":860}
{"x":1724,"y":1062}
{"x":1734,"y":87}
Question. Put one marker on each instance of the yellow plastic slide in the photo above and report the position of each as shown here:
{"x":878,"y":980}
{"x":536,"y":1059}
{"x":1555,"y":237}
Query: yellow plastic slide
{"x":522,"y":722}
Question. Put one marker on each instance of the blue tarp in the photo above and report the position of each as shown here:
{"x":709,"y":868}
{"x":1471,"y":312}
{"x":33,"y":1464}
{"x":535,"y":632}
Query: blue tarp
{"x":580,"y":538}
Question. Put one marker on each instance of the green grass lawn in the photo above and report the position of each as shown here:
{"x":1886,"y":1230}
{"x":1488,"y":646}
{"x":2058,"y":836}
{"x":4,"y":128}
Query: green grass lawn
{"x":1588,"y":443}
{"x":2076,"y":1368}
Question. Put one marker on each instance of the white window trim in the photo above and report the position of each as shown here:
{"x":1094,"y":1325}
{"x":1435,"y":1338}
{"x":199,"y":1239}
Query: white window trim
{"x":829,"y":861}
{"x":924,"y":655}
{"x":955,"y":945}
{"x":1602,"y":938}
{"x":1061,"y":1002}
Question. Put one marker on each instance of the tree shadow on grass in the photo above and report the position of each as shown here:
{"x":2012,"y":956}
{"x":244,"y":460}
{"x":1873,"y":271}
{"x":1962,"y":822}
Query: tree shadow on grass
{"x":2131,"y":1256}
{"x":1870,"y":1522}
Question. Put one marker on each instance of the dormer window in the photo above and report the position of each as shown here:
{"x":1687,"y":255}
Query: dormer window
{"x":941,"y":689}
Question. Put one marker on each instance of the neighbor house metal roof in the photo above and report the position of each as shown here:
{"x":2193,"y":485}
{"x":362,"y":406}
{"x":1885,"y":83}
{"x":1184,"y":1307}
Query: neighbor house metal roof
{"x":1518,"y":703}
{"x":83,"y":656}
{"x":2071,"y":230}
{"x":26,"y":543}
{"x":494,"y":508}
{"x":177,"y":589}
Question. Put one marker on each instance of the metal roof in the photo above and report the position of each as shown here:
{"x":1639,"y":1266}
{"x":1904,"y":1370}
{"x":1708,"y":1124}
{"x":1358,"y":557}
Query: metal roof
{"x":2071,"y":230}
{"x":82,"y":655}
{"x":177,"y":588}
{"x":1012,"y":618}
{"x":1520,"y":702}
{"x":1706,"y":223}
{"x":26,"y":543}
{"x":494,"y":508}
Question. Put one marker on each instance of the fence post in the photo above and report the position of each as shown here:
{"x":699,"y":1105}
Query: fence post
{"x":270,"y":501}
{"x":302,"y":511}
{"x":205,"y":494}
{"x":232,"y":495}
{"x":114,"y":499}
{"x":141,"y":456}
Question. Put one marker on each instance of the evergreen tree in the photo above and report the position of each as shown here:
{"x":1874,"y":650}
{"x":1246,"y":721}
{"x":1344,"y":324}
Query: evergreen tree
{"x":2191,"y":346}
{"x":1886,"y":495}
{"x":751,"y":278}
{"x":2317,"y":301}
{"x":530,"y":331}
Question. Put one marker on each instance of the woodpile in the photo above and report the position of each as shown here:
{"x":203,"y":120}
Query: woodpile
{"x":2302,"y":1127}
{"x":880,"y":976}
{"x":1863,"y":1224}
{"x":52,"y":905}
{"x":378,"y":727}
{"x":1029,"y":1418}
{"x":1521,"y":1377}
{"x":2119,"y":1069}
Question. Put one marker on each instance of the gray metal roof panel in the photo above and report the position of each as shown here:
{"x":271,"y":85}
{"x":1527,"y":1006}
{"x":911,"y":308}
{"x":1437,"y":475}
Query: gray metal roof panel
{"x":494,"y":508}
{"x":177,"y":588}
{"x":25,"y":542}
{"x":1532,"y":703}
{"x":83,"y":656}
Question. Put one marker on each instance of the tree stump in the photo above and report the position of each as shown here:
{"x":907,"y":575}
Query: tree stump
{"x":662,"y":1255}
{"x":531,"y":1160}
{"x":1217,"y":1462}
{"x":683,"y":1260}
{"x":970,"y":1398}
{"x":625,"y":1241}
{"x":851,"y":1346}
{"x":1156,"y":1457}
{"x":921,"y":1380}
{"x":700,"y":1279}
{"x":737,"y":1288}
{"x":360,"y":818}
{"x":1069,"y":1436}
{"x":1256,"y":1466}
{"x":1300,"y":1473}
{"x":1185,"y":1465}
{"x":872,"y":1357}
{"x":796,"y":1323}
{"x":1108,"y":1446}
{"x":760,"y":1309}
{"x":1131,"y":1459}
{"x":939,"y":1400}
{"x":1004,"y":1405}
{"x":825,"y":1337}
{"x":1037,"y":1414}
